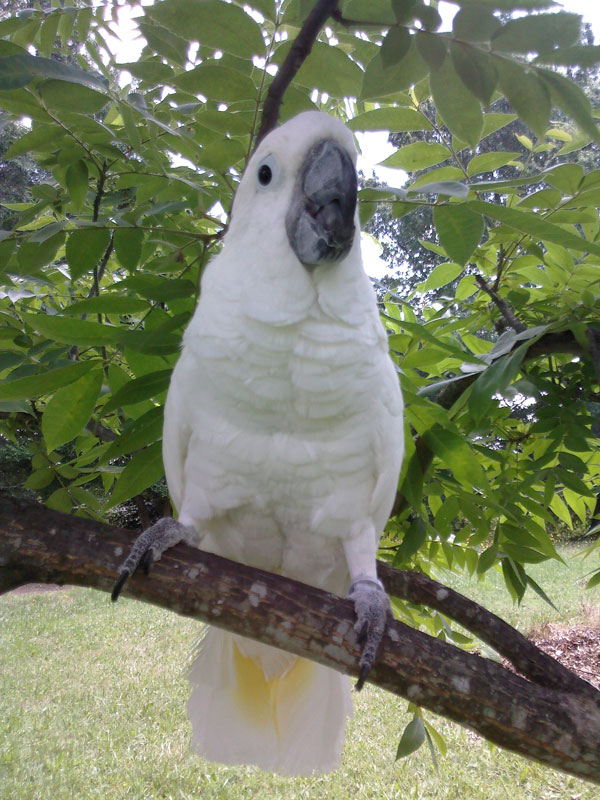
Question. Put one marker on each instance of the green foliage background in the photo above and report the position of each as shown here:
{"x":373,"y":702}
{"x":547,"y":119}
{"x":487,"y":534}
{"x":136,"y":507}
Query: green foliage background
{"x":100,"y":267}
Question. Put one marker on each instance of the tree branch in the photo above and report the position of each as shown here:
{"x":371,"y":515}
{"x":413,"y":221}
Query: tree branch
{"x":559,"y":727}
{"x":502,"y":305}
{"x":299,"y":52}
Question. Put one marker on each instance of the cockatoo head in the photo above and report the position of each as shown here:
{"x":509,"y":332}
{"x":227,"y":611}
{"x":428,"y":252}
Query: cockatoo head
{"x":301,"y":181}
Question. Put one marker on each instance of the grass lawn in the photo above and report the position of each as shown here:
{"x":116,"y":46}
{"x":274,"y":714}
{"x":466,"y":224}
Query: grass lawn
{"x":92,"y":705}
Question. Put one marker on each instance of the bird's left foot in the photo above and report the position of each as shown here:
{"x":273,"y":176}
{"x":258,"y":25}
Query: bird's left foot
{"x":371,"y":605}
{"x":150,"y":545}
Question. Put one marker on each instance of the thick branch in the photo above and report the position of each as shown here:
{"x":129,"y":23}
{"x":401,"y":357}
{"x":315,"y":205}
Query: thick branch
{"x":523,"y":654}
{"x":558,"y":728}
{"x":299,"y":52}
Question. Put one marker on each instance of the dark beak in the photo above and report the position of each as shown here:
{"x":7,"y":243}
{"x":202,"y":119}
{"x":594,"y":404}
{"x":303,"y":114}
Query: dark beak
{"x":320,"y":220}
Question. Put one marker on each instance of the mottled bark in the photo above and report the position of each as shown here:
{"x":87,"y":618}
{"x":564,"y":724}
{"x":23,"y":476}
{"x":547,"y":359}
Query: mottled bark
{"x":557,"y":726}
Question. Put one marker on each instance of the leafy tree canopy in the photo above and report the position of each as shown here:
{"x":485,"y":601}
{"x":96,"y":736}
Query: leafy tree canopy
{"x":101,"y":268}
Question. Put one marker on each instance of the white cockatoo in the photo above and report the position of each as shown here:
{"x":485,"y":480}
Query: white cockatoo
{"x":283,"y":441}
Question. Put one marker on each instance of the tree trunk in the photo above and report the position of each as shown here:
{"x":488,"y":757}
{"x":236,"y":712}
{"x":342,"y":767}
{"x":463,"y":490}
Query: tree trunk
{"x":553,"y":719}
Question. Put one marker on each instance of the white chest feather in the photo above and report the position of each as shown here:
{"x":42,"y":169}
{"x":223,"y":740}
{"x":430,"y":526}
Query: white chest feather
{"x":280,"y":430}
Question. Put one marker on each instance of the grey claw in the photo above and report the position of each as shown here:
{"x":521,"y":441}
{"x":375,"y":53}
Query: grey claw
{"x":371,"y":605}
{"x":362,"y":676}
{"x":146,"y":561}
{"x":119,"y":585}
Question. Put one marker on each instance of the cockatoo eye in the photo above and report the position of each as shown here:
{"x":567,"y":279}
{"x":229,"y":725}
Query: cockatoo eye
{"x":268,"y":173}
{"x":265,"y":174}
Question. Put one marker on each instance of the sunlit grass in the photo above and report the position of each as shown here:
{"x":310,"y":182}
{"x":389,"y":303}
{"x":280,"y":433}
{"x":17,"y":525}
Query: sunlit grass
{"x":92,"y":705}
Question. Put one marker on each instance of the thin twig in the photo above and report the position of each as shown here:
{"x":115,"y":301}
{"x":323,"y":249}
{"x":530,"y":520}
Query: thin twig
{"x":502,"y":305}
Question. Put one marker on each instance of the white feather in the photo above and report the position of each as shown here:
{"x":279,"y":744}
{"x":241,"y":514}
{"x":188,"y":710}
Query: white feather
{"x":283,"y":442}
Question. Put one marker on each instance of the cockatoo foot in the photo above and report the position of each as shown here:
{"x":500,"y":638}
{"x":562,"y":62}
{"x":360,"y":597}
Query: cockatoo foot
{"x":371,"y":605}
{"x":150,"y":546}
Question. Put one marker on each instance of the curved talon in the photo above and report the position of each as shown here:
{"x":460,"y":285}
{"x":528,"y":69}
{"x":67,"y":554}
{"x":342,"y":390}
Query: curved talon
{"x":119,"y":585}
{"x":147,"y":560}
{"x":362,"y":676}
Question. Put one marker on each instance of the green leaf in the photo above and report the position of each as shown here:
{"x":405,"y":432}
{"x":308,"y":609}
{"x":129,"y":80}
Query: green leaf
{"x":85,"y":247}
{"x":77,"y":183}
{"x":108,"y":304}
{"x":32,"y":255}
{"x":155,"y":287}
{"x":74,"y":331}
{"x":84,"y":19}
{"x":441,"y":275}
{"x":487,"y":559}
{"x":390,"y":119}
{"x":456,"y":105}
{"x":475,"y":24}
{"x":60,"y":500}
{"x":144,"y":388}
{"x":418,"y":155}
{"x":128,"y":246}
{"x":327,"y":68}
{"x":424,"y":334}
{"x":19,"y":70}
{"x":535,"y":226}
{"x":537,"y":33}
{"x":223,"y":153}
{"x":476,"y":70}
{"x":143,"y":470}
{"x":403,"y":10}
{"x":412,"y":738}
{"x":48,"y":31}
{"x":142,"y":431}
{"x":41,"y":139}
{"x":218,"y":25}
{"x":452,"y":449}
{"x":572,"y":100}
{"x":494,"y":122}
{"x":566,"y":177}
{"x":395,"y":46}
{"x":379,"y":82}
{"x":63,"y":96}
{"x":577,"y":56}
{"x":432,"y":48}
{"x":494,"y":380}
{"x":489,"y":162}
{"x":216,"y":83}
{"x":593,"y":581}
{"x":167,"y":44}
{"x":525,"y":92}
{"x":151,"y":70}
{"x":44,"y":383}
{"x":439,"y":175}
{"x":459,"y":230}
{"x":70,"y":409}
{"x":40,"y":479}
{"x":412,"y":541}
{"x":467,"y":287}
{"x":515,"y":582}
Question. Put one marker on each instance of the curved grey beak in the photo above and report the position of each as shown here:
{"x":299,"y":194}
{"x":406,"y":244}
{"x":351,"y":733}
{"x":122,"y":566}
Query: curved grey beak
{"x":320,"y":220}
